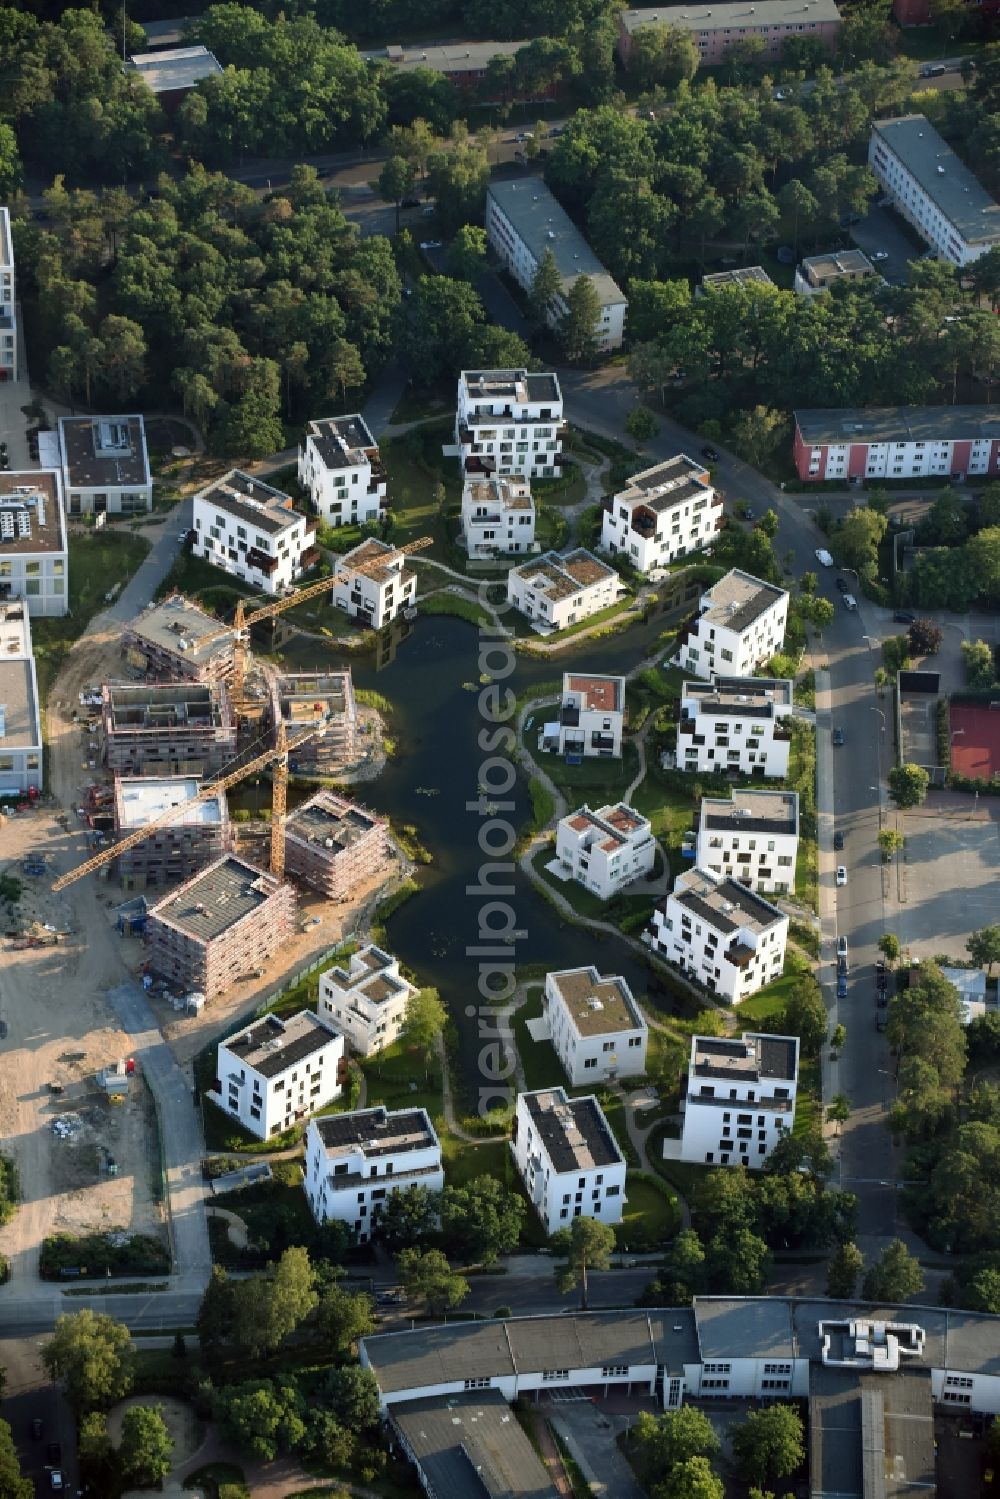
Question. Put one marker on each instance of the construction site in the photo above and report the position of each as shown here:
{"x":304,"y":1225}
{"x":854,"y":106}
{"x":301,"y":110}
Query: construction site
{"x":198,"y":832}
{"x":335,"y":846}
{"x":303,"y":699}
{"x":177,"y":641}
{"x":167,"y":729}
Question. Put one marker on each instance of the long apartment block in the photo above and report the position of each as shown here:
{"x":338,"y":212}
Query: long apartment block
{"x":20,"y":713}
{"x":8,"y":301}
{"x":34,"y":555}
{"x":197,"y":834}
{"x":167,"y":729}
{"x":334,"y":845}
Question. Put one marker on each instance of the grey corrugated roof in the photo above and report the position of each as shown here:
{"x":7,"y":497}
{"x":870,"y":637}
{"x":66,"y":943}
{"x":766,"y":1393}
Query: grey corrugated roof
{"x":19,"y":709}
{"x":745,"y":1327}
{"x":847,"y":424}
{"x":958,"y":194}
{"x":429,"y":1356}
{"x":472,"y":1445}
{"x":175,"y":68}
{"x":739,"y":15}
{"x":871,"y":1436}
{"x":217,"y":898}
{"x":543,"y":224}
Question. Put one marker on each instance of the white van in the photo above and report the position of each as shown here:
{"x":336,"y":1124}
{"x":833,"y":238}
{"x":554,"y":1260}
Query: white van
{"x":850,"y":602}
{"x":823,"y":556}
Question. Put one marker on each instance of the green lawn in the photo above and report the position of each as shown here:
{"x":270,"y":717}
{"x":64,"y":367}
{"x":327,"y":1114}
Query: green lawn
{"x":633,"y":911}
{"x":198,"y":579}
{"x":651,"y":1216}
{"x":683,"y":1176}
{"x":428,"y":403}
{"x":453,"y":604}
{"x":770,"y":1001}
{"x":541,"y":1065}
{"x":400,"y":1078}
{"x":419,"y":480}
{"x":652,"y":688}
{"x":551,"y":528}
{"x":98,"y":561}
{"x":615,"y":617}
{"x":595,"y":778}
{"x":569,"y":489}
{"x":464,"y":1162}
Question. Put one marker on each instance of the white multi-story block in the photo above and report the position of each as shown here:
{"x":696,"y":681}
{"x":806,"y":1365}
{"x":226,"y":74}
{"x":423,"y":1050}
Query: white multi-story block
{"x":523,"y":220}
{"x":8,"y":301}
{"x":607,"y":849}
{"x":740,"y":1098}
{"x":277,"y":1072}
{"x":354,"y":1163}
{"x":754,"y":837}
{"x":725,"y":936}
{"x":591,"y":717}
{"x":498,"y":516}
{"x":897,"y":442}
{"x":740,"y":624}
{"x":373,"y":584}
{"x":597,"y":1029}
{"x":662,"y":514}
{"x":509,"y":422}
{"x":737,"y":724}
{"x":560,"y":589}
{"x":20,"y":713}
{"x":367,"y":1000}
{"x":104,"y":463}
{"x":34,"y":557}
{"x":340,"y":469}
{"x":248,"y":529}
{"x":568,"y":1158}
{"x":933,"y":189}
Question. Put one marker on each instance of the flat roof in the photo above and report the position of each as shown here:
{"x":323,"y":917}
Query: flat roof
{"x":502,"y":490}
{"x":251,"y":501}
{"x":871,"y":1436}
{"x":177,"y":624}
{"x":273,"y":1044}
{"x":725,"y":904}
{"x":370,"y":973}
{"x":599,"y":693}
{"x":559,"y":575}
{"x":20,"y":726}
{"x":447,"y":57}
{"x":342,"y":441}
{"x":574,"y":1131}
{"x":376,"y":1132}
{"x":739,"y":598}
{"x":543,"y":224}
{"x":305,"y":696}
{"x":597,"y":1006}
{"x":667,"y":484}
{"x":759,"y":1326}
{"x":838,"y":263}
{"x":32,"y":501}
{"x":173,"y":68}
{"x":741,"y":697}
{"x":746,"y":1058}
{"x":6,"y":244}
{"x":511,"y":385}
{"x":217,"y":898}
{"x":328,"y":818}
{"x":141,"y":799}
{"x":901,"y":424}
{"x":131,"y":706}
{"x":104,"y":451}
{"x":942,"y":175}
{"x":739,"y":16}
{"x":738,"y":276}
{"x":616,"y":824}
{"x":752,"y":811}
{"x":473,"y":1445}
{"x":15,"y":629}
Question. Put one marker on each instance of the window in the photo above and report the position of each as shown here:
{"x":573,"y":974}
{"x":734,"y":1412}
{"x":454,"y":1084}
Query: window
{"x":615,"y":1371}
{"x":549,"y":1376}
{"x":958,"y":1381}
{"x":478,"y":1384}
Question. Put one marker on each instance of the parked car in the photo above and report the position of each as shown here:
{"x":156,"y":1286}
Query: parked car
{"x":410,"y":202}
{"x":823,"y":557}
{"x":881,"y":999}
{"x":430,"y":244}
{"x":781,"y":94}
{"x":785,"y":255}
{"x":841,"y":947}
{"x":841,"y":986}
{"x":54,"y":1453}
{"x":850,"y":602}
{"x":838,"y":840}
{"x":711,"y":454}
{"x":842,"y":584}
{"x":838,"y":737}
{"x":36,"y":1427}
{"x":56,"y":1479}
{"x":842,"y":964}
{"x":841,"y":874}
{"x":933,"y":70}
{"x":878,"y":255}
{"x":903,"y":617}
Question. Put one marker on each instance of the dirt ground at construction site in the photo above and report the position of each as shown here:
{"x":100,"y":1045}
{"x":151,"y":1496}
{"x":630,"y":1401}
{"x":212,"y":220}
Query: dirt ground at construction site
{"x":60,"y":1028}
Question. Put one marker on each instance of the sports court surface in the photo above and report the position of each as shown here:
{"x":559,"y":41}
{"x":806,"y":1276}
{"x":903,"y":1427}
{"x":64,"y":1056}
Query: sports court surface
{"x":975,"y":739}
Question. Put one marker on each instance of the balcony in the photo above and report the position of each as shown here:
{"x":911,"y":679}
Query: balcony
{"x":740,"y":955}
{"x":569,"y":717}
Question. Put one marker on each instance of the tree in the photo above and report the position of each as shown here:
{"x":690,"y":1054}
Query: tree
{"x":769,"y":523}
{"x":890,"y":841}
{"x":908,"y":785}
{"x":757,"y":433}
{"x":805,"y":1016}
{"x":90,"y":1354}
{"x":214,"y":1322}
{"x":426,"y":1276}
{"x":691,"y":1479}
{"x":895,"y":1275}
{"x":662,"y":56}
{"x":983,"y":550}
{"x":768,"y":1445}
{"x":843,"y":1270}
{"x":343,"y":1317}
{"x":578,"y":325}
{"x":857,"y":538}
{"x":262,"y":1416}
{"x":395,"y":182}
{"x":586,"y":1245}
{"x":268,"y":1308}
{"x":983,"y":947}
{"x":408,"y":1215}
{"x":641,"y":424}
{"x":737,"y":1263}
{"x":11,"y":171}
{"x":327,"y":1440}
{"x":467,"y":253}
{"x":925,"y":637}
{"x":838,"y":1038}
{"x":353,"y":1395}
{"x":821,"y":613}
{"x":664,"y":1441}
{"x":481,"y":1220}
{"x":12,"y":1484}
{"x":146,"y":1444}
{"x":424,"y":1021}
{"x":808,"y":583}
{"x":838,"y":1110}
{"x":545,"y":286}
{"x":977,"y":657}
{"x":888,"y":946}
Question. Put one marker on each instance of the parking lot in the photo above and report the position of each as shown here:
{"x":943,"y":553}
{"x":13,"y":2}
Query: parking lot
{"x":882,"y":230}
{"x":946,"y":887}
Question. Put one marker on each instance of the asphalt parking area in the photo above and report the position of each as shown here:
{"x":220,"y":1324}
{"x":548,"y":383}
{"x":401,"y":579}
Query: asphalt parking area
{"x":881,"y":230}
{"x":945,"y":889}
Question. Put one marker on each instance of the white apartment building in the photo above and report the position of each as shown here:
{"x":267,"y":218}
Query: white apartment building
{"x":498,"y":515}
{"x":605,"y":850}
{"x":523,"y":220}
{"x":662,"y":514}
{"x":568,"y":1158}
{"x":104,"y":464}
{"x":373,"y":583}
{"x":737,"y":724}
{"x":597,"y":1029}
{"x":740,"y":1098}
{"x":754,"y":837}
{"x":8,"y":301}
{"x":509,"y":422}
{"x":354,"y":1162}
{"x":560,"y":589}
{"x":740,"y":624}
{"x":720,"y":933}
{"x":341,"y":471}
{"x":277,"y":1072}
{"x":34,"y":557}
{"x":933,"y":189}
{"x":20,"y":713}
{"x":367,"y":1000}
{"x":591,"y":717}
{"x":246,"y":528}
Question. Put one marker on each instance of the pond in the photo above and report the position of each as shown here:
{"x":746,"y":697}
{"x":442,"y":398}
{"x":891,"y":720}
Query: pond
{"x":436,"y":725}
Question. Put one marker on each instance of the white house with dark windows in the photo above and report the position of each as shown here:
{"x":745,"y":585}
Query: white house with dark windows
{"x":737,"y":724}
{"x":596,"y":1028}
{"x":8,"y":301}
{"x":752,"y":836}
{"x":604,"y":850}
{"x":509,"y":422}
{"x":591,"y":717}
{"x":933,"y":189}
{"x":367,"y":1000}
{"x":247,"y":528}
{"x":373,"y":583}
{"x":568,"y":1158}
{"x":559,"y":589}
{"x":740,"y":1099}
{"x":34,"y":551}
{"x":720,"y":933}
{"x":662,"y":514}
{"x":278,"y":1071}
{"x":498,"y":516}
{"x":104,"y":463}
{"x":740,"y":624}
{"x":354,"y":1162}
{"x":340,"y":469}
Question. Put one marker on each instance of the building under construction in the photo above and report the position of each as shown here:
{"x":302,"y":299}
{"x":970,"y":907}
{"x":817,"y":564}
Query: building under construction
{"x":219,"y":927}
{"x":305,"y":698}
{"x":194,"y":837}
{"x":167,"y":729}
{"x":334,"y":845}
{"x":165,"y":641}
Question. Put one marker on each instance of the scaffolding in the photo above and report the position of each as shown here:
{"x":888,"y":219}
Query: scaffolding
{"x":174,"y":850}
{"x":334,"y":845}
{"x":167,"y":729}
{"x":304,"y":698}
